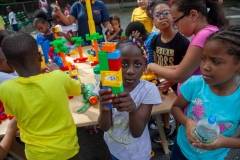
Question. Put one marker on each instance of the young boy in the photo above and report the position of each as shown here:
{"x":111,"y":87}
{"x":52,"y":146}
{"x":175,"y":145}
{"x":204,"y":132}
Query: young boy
{"x":12,"y":19}
{"x":138,"y":29}
{"x":39,"y":102}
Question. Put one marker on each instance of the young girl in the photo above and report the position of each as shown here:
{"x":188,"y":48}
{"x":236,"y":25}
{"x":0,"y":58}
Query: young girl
{"x":67,"y":32}
{"x":198,"y":17}
{"x":67,"y":7}
{"x":140,"y":14}
{"x":43,"y":5}
{"x":41,"y":24}
{"x":169,"y":49}
{"x":115,"y":35}
{"x":125,"y":125}
{"x":214,"y":93}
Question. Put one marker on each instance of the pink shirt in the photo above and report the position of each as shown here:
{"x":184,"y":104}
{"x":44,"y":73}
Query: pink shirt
{"x":199,"y":40}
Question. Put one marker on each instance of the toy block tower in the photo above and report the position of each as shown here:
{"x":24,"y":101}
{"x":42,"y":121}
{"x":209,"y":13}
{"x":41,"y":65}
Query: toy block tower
{"x":111,"y":68}
{"x":79,"y":42}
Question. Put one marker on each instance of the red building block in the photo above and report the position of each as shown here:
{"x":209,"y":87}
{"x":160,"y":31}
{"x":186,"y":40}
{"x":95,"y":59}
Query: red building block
{"x":115,"y":64}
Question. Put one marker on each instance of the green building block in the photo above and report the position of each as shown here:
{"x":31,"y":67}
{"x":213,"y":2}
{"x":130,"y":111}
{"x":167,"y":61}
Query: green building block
{"x":116,"y":90}
{"x":96,"y":69}
{"x":103,"y":61}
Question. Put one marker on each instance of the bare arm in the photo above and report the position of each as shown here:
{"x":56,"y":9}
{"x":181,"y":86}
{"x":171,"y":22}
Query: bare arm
{"x":67,"y":20}
{"x":8,"y":138}
{"x":111,"y":37}
{"x":138,"y":119}
{"x":105,"y":119}
{"x":185,"y":69}
{"x":155,"y":57}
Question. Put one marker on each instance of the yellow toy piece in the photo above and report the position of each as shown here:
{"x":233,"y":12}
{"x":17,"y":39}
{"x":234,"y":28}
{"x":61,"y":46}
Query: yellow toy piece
{"x":91,"y":23}
{"x":92,"y":58}
{"x":111,"y":78}
{"x":151,"y":77}
{"x":73,"y":52}
{"x":56,"y":30}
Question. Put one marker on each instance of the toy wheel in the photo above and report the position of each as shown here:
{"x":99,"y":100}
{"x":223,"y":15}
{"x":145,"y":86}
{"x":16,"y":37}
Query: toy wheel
{"x":93,"y":100}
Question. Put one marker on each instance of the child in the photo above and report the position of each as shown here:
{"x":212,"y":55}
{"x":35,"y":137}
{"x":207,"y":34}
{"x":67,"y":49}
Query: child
{"x":39,"y":104}
{"x":12,"y":19}
{"x":67,"y":32}
{"x":6,"y":142}
{"x":169,"y":49}
{"x":125,"y":125}
{"x":43,"y":5}
{"x":67,"y":7}
{"x":41,"y":24}
{"x":198,"y":18}
{"x":115,"y":35}
{"x":214,"y":93}
{"x":139,"y":14}
{"x":137,"y":29}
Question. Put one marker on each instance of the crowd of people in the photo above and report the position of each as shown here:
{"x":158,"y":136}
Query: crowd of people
{"x":202,"y":73}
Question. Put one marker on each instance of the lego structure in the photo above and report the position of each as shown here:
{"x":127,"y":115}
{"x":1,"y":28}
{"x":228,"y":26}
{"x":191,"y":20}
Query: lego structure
{"x":43,"y":47}
{"x":78,"y":44}
{"x":111,"y":68}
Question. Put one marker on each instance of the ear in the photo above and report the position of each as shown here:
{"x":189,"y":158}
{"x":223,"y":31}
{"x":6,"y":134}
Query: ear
{"x":194,"y":15}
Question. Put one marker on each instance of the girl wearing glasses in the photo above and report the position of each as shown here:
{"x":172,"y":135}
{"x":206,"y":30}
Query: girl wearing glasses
{"x":169,"y":49}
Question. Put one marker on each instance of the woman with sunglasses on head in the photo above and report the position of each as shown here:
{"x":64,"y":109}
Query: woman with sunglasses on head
{"x":199,"y":18}
{"x":169,"y":49}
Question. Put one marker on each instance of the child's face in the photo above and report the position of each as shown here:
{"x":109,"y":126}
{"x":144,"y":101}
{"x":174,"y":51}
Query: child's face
{"x":183,"y":22}
{"x":162,"y":18}
{"x":115,"y":24}
{"x":217,"y":66}
{"x":143,"y":4}
{"x":133,"y":65}
{"x":42,"y":27}
{"x":56,"y":19}
{"x":4,"y":67}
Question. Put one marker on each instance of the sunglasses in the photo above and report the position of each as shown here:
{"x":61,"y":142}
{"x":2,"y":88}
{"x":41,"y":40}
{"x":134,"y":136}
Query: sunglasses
{"x":176,"y":21}
{"x":165,"y":14}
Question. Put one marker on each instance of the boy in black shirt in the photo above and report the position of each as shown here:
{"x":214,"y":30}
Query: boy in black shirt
{"x":169,"y":49}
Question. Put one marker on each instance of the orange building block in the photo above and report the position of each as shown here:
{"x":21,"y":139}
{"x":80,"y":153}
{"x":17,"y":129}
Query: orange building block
{"x":109,"y":47}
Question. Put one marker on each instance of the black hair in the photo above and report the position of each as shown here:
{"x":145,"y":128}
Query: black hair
{"x":115,"y":17}
{"x":135,"y":26}
{"x":9,"y":7}
{"x":3,"y":33}
{"x":67,"y":2}
{"x":40,"y":17}
{"x":229,"y":39}
{"x":152,"y":5}
{"x":211,"y":9}
{"x":19,"y":48}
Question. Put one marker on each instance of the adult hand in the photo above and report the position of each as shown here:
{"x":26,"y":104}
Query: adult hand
{"x":61,"y":34}
{"x":164,"y":86}
{"x":190,"y":127}
{"x":109,"y":27}
{"x":56,"y":8}
{"x":105,"y":97}
{"x":218,"y":143}
{"x":123,"y":102}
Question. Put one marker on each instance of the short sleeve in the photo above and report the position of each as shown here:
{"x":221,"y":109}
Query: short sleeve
{"x":104,"y":13}
{"x":152,"y":96}
{"x":187,"y":89}
{"x":153,"y":43}
{"x":74,"y":27}
{"x":133,"y":13}
{"x":74,"y":10}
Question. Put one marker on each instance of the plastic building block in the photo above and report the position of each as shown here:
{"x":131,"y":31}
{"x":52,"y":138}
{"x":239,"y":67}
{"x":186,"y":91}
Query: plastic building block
{"x":56,"y":30}
{"x":109,"y":47}
{"x":96,"y":69}
{"x":114,"y":55}
{"x":79,"y":42}
{"x":115,"y":64}
{"x":91,"y":23}
{"x":93,"y":36}
{"x":116,"y":90}
{"x":103,"y":61}
{"x":44,"y":47}
{"x":111,"y":78}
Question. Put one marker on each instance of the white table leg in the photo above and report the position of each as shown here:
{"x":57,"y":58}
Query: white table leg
{"x":162,"y":134}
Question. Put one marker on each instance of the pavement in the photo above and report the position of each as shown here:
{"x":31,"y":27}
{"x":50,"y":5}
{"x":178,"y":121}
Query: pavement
{"x":93,"y":147}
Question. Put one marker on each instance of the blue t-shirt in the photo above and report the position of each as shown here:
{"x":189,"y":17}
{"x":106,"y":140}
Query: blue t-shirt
{"x":100,"y":15}
{"x":203,"y":103}
{"x":48,"y":37}
{"x":148,"y":45}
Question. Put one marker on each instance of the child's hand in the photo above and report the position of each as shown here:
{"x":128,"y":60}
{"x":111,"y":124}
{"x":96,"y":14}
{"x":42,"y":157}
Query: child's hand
{"x":190,"y":126}
{"x":136,"y":34}
{"x":150,"y":67}
{"x":52,"y":66}
{"x":61,"y":34}
{"x":164,"y":86}
{"x":105,"y":98}
{"x":123,"y":102}
{"x":211,"y":146}
{"x":12,"y":125}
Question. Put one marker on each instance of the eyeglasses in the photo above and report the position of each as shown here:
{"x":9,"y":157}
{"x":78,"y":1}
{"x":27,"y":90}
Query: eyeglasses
{"x":176,"y":21}
{"x":165,"y":14}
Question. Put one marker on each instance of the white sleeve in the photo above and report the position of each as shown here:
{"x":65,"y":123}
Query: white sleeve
{"x":74,"y":27}
{"x":152,"y":96}
{"x":6,"y":76}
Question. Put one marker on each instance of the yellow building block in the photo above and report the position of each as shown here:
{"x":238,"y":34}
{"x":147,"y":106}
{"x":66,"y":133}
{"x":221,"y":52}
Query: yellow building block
{"x":92,"y":58}
{"x":111,"y":78}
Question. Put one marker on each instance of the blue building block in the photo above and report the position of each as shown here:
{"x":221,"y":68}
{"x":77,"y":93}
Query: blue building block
{"x":58,"y":61}
{"x":45,"y":48}
{"x":108,"y":105}
{"x":114,"y":55}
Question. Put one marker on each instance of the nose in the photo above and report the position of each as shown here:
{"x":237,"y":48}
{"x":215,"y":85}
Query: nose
{"x":130,"y":70}
{"x":206,"y":66}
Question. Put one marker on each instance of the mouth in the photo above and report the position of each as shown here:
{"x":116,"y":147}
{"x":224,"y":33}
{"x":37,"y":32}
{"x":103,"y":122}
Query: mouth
{"x":163,"y":22}
{"x":206,"y":76}
{"x":129,"y":80}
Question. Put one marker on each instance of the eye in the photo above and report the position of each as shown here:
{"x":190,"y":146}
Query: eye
{"x":137,"y":64}
{"x":203,"y":58}
{"x":216,"y":62}
{"x":124,"y":64}
{"x":166,"y":13}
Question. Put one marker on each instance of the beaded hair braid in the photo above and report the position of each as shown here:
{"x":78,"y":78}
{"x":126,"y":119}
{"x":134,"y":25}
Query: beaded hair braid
{"x":142,"y":46}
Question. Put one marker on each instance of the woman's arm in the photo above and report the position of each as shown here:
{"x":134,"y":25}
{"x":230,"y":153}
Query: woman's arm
{"x":185,"y":69}
{"x":138,"y":119}
{"x":67,"y":20}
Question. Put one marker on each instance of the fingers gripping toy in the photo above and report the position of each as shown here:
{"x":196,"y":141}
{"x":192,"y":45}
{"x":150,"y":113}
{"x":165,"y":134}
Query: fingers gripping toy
{"x":89,"y":98}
